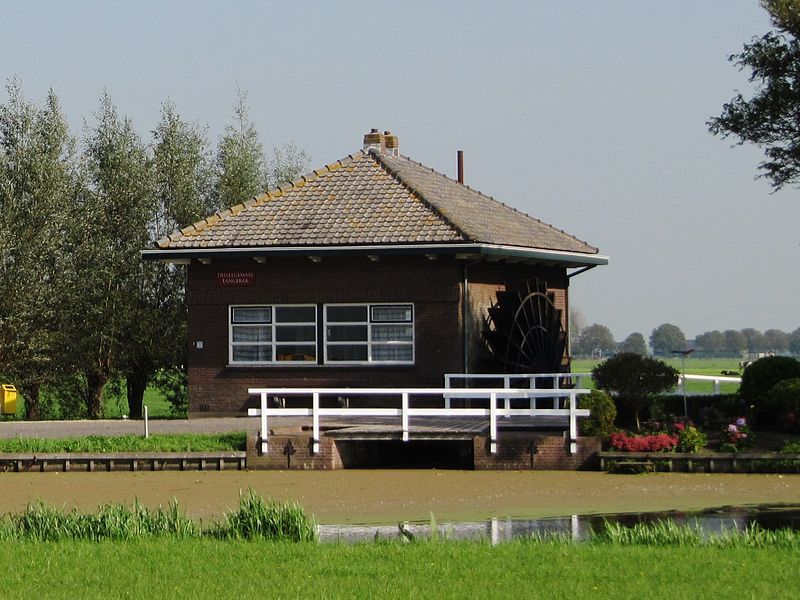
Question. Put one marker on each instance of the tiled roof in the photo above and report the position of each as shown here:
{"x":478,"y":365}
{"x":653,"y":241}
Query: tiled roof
{"x":371,"y":198}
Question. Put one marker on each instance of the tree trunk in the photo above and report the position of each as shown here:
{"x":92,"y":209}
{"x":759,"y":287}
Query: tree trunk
{"x":136,"y":385}
{"x":32,"y":409}
{"x":95,"y":383}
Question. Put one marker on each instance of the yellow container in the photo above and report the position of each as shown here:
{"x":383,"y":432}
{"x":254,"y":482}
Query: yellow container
{"x":8,"y":398}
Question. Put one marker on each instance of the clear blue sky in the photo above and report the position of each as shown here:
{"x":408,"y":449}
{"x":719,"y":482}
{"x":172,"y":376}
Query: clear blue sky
{"x":588,"y":115}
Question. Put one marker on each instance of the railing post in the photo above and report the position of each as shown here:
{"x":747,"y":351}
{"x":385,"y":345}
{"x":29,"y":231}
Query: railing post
{"x":507,"y":385}
{"x":447,"y":396}
{"x":573,"y":423}
{"x":532,"y":385}
{"x":264,"y":430}
{"x":716,"y":387}
{"x":404,"y":416}
{"x":493,"y":423}
{"x":556,"y":386}
{"x":315,"y":423}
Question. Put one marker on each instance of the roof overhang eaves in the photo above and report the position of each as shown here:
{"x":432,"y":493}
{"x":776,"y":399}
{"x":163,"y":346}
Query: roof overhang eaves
{"x":564,"y":258}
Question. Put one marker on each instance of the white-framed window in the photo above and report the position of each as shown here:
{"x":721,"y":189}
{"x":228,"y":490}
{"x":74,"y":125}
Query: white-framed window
{"x":369,"y":333}
{"x":273,"y":334}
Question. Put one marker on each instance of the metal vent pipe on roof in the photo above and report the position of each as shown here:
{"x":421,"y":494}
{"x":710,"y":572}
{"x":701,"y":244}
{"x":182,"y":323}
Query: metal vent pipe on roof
{"x":460,"y":154}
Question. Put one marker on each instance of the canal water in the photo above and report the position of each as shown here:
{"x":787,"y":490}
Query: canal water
{"x":578,"y":527}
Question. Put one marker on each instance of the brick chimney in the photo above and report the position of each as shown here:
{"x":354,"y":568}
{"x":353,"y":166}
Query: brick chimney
{"x":374,"y":141}
{"x":392,"y":144}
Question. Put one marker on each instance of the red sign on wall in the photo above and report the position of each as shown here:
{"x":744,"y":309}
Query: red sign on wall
{"x":236,"y":279}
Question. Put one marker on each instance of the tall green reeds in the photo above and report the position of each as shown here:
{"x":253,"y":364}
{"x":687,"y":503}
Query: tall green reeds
{"x":255,"y":519}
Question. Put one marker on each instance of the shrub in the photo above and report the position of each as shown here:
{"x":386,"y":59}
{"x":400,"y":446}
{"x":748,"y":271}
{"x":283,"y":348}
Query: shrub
{"x":603,"y":412}
{"x":690,"y":439}
{"x":661,"y":442}
{"x":257,"y":519}
{"x":760,"y":376}
{"x":634,"y":380}
{"x":701,"y":407}
{"x":791,"y":447}
{"x":781,"y":404}
{"x":736,"y":436}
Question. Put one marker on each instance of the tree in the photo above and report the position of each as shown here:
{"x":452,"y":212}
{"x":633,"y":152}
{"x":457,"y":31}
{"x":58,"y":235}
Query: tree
{"x":769,"y":118}
{"x":712,"y":342}
{"x":754,"y":339}
{"x":106,"y":289}
{"x":595,"y":338}
{"x":665,"y":338}
{"x":37,"y":181}
{"x":285,"y":165}
{"x":734,"y":341}
{"x":776,"y":340}
{"x":240,"y":159}
{"x":634,"y":380}
{"x":794,"y":341}
{"x":634,"y":344}
{"x":577,"y":323}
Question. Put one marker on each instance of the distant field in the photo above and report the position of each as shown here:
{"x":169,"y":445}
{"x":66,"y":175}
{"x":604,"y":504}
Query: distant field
{"x":694,"y":366}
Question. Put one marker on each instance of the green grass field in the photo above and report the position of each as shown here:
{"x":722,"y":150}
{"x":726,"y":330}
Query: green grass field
{"x":694,"y":366}
{"x":220,"y":569}
{"x":194,"y":442}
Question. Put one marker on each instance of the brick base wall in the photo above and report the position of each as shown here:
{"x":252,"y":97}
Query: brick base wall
{"x":551,"y":452}
{"x":301,"y":459}
{"x":526,"y":451}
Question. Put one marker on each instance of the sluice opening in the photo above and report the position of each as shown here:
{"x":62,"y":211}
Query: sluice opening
{"x":415,"y":454}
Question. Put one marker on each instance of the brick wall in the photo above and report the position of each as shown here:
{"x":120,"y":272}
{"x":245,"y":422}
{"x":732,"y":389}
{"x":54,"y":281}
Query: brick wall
{"x":433,"y":286}
{"x":551,"y":453}
{"x":301,"y":457}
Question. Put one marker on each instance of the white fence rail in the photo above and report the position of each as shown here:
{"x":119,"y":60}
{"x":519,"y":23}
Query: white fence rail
{"x":716,"y":379}
{"x":405,"y":411}
{"x":556,"y":381}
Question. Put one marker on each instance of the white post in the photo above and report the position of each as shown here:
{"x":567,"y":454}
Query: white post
{"x":574,"y":527}
{"x":493,"y":423}
{"x":494,"y":531}
{"x":556,"y":386}
{"x":716,"y":386}
{"x":146,"y":424}
{"x":532,"y":385}
{"x":315,"y":423}
{"x":404,"y":413}
{"x":573,"y":423}
{"x":447,"y":384}
{"x":264,"y":430}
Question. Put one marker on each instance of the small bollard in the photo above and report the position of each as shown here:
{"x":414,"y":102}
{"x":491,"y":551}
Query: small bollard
{"x":146,"y":424}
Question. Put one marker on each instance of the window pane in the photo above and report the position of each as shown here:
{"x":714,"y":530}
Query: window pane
{"x":390,"y":314}
{"x":352,"y":352}
{"x":344,"y":314}
{"x":392,"y":333}
{"x":252,"y":333}
{"x":252,"y":314}
{"x":346,"y":333}
{"x":402,"y":352}
{"x":252,"y":353}
{"x":295,"y":352}
{"x":295,"y":333}
{"x":295,"y":314}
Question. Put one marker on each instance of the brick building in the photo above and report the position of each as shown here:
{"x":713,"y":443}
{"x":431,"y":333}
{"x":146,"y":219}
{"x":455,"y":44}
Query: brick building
{"x":372,"y":271}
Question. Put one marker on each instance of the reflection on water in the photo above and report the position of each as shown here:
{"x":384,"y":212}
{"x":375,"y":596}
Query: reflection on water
{"x":577,"y":527}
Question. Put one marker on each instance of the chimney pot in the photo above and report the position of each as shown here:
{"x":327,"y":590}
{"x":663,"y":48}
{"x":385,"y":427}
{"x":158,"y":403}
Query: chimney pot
{"x":460,"y":160}
{"x":392,"y":144}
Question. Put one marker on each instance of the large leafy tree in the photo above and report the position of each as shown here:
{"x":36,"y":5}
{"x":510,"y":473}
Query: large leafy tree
{"x":769,"y":118}
{"x":156,"y":348}
{"x":667,"y":338}
{"x":106,"y":289}
{"x":595,"y":338}
{"x":634,"y":380}
{"x":712,"y":342}
{"x":37,"y":180}
{"x":634,"y":344}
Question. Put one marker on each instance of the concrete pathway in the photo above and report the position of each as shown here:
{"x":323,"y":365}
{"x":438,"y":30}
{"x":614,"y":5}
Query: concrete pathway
{"x":63,"y":429}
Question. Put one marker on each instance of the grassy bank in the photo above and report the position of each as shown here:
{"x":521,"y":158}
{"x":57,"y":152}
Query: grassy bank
{"x":209,"y":569}
{"x":195,"y":442}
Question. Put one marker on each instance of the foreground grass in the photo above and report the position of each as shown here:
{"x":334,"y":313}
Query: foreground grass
{"x":210,"y":569}
{"x":195,"y":442}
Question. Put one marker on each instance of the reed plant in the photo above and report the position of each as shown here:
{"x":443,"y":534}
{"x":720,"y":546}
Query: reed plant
{"x":258,"y":519}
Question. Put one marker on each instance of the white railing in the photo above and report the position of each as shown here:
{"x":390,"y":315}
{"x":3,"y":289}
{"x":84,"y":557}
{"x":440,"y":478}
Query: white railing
{"x":717,"y":379}
{"x":406,"y":411}
{"x":528,"y":380}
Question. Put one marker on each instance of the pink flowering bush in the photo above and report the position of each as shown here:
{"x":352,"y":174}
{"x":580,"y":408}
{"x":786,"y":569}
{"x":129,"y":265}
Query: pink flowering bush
{"x":660,"y":442}
{"x":736,"y":436}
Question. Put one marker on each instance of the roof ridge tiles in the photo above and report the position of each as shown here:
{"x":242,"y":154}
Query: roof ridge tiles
{"x":492,"y":198}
